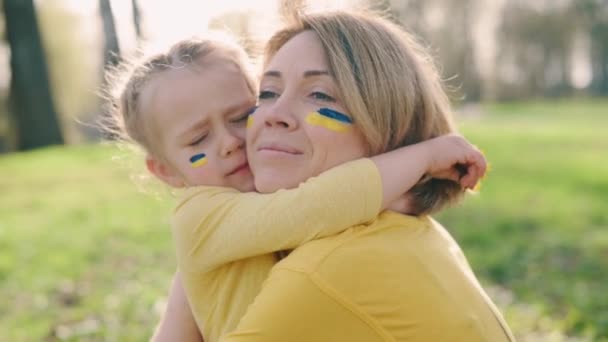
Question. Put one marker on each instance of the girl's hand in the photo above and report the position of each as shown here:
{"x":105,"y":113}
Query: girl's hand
{"x":453,"y":157}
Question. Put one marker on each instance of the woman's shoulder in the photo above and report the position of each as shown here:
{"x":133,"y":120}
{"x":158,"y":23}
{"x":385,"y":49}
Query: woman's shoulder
{"x":378,"y":242}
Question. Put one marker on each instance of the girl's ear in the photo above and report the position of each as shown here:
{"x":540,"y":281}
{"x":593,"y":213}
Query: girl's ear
{"x":164,"y":172}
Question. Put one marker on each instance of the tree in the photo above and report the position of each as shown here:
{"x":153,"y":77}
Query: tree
{"x":30,"y":95}
{"x":449,"y":37}
{"x":594,"y":17}
{"x":536,"y":46}
{"x":111,"y":46}
{"x":137,"y":21}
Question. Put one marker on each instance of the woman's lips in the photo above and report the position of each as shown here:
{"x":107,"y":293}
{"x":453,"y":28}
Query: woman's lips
{"x":274,"y":148}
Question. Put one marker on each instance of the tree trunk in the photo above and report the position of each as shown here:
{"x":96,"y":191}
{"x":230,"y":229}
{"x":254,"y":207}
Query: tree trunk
{"x":111,"y":47}
{"x":30,"y":94}
{"x":603,"y":84}
{"x":137,"y":21}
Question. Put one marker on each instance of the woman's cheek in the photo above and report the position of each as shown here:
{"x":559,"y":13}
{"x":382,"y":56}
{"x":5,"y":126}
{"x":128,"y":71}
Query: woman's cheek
{"x":330,"y":119}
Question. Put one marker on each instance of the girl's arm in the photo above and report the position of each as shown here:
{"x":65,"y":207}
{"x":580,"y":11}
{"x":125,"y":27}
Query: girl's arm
{"x":177,"y":323}
{"x":213,"y":226}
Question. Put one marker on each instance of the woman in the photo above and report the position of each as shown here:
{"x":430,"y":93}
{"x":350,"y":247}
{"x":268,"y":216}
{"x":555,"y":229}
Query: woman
{"x":399,"y":278}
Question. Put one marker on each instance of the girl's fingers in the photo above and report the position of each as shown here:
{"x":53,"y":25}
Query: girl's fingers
{"x":483,"y":165}
{"x":475,"y":171}
{"x":472,"y":176}
{"x":450,"y":174}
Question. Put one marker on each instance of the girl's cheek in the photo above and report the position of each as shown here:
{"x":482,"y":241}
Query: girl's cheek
{"x":198,"y":160}
{"x":200,"y":170}
{"x":204,"y":171}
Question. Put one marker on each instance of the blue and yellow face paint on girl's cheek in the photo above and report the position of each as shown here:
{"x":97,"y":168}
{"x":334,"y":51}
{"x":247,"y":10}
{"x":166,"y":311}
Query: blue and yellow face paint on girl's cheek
{"x":330,"y":119}
{"x":198,"y":160}
{"x":250,"y":116}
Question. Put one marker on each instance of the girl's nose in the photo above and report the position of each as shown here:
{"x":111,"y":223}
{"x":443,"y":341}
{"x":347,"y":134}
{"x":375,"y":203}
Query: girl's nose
{"x":231,"y":143}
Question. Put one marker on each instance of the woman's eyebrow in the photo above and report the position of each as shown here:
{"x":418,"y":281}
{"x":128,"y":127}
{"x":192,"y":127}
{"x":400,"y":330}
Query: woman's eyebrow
{"x":312,"y":73}
{"x":307,"y":73}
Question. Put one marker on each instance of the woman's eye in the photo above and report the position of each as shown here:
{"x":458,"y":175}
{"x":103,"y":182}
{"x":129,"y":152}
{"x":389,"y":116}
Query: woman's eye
{"x":267,"y":94}
{"x":317,"y":95}
{"x":198,"y":140}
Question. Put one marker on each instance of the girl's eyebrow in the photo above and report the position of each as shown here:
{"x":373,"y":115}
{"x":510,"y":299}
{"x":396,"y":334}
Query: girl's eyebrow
{"x":273,"y":73}
{"x":187,"y":132}
{"x":204,"y":122}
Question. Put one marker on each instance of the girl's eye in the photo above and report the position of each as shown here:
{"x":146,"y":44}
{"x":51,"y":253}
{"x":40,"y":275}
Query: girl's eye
{"x":244,"y":117}
{"x":246,"y":114}
{"x":241,"y":118}
{"x":198,"y":140}
{"x":267,"y":94}
{"x":317,"y":95}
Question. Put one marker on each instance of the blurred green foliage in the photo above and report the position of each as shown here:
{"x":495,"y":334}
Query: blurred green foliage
{"x":84,"y":256}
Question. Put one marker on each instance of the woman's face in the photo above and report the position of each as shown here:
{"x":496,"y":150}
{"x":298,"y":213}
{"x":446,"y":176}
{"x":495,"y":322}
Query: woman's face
{"x":300,"y":128}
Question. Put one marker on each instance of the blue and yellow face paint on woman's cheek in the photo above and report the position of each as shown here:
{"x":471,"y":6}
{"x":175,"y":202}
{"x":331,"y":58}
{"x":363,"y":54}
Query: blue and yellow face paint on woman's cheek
{"x":330,"y":119}
{"x":198,"y":160}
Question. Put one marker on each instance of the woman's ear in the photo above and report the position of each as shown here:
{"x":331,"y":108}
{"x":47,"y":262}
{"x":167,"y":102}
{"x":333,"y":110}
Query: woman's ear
{"x":164,"y":172}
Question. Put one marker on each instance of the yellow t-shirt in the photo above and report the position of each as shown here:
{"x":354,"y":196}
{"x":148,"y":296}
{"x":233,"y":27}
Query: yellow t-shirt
{"x":225,"y":239}
{"x":398,"y":278}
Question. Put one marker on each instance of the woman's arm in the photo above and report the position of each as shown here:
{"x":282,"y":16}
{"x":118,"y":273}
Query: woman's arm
{"x":177,"y":323}
{"x":213,"y":226}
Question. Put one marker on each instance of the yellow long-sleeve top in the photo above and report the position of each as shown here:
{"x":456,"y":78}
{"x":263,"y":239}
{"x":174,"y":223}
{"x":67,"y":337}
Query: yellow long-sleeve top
{"x":225,"y":239}
{"x":398,"y":278}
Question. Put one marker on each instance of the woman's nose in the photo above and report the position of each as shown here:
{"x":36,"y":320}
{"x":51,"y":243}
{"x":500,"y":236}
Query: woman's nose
{"x":280,"y":116}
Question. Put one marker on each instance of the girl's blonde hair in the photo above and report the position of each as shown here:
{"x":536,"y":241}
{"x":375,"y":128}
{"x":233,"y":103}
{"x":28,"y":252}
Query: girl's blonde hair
{"x":126,"y":83}
{"x":389,"y":84}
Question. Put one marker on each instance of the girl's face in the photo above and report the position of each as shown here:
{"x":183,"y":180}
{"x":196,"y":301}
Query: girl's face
{"x":198,"y":116}
{"x":300,"y":127}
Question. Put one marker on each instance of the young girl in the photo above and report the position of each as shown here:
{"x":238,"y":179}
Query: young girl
{"x":188,"y":109}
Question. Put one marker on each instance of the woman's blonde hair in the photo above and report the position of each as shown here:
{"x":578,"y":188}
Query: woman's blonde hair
{"x":389,"y":84}
{"x":126,"y":83}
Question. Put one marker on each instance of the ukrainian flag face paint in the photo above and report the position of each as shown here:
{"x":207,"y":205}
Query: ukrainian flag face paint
{"x":250,"y":116}
{"x":198,"y":160}
{"x":330,"y":119}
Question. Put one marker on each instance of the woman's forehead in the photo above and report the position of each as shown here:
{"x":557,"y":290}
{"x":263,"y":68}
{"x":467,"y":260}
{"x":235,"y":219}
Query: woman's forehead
{"x":303,"y":51}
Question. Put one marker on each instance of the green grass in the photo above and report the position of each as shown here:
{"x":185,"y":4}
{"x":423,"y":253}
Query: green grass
{"x":539,"y":226}
{"x":85,"y":256}
{"x":82,"y":252}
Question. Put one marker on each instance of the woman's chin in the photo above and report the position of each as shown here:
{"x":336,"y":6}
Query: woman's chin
{"x":265,"y":187}
{"x":268,"y":183}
